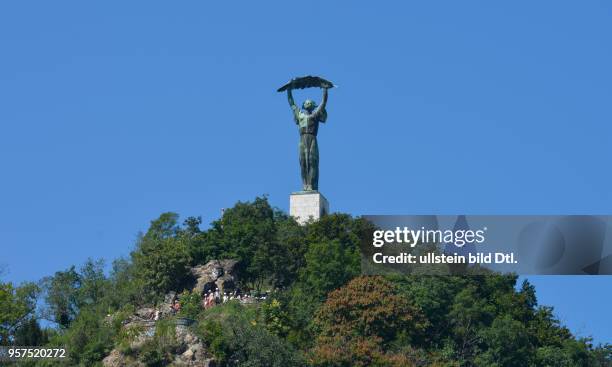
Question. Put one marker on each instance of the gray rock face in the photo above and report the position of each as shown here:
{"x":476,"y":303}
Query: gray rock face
{"x":117,"y":359}
{"x":215,"y":274}
{"x":191,"y":351}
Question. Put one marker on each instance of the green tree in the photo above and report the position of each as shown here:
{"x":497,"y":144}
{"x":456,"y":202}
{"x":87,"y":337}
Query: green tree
{"x":329,"y":265}
{"x":93,"y":284}
{"x":236,"y":339}
{"x":246,"y":233}
{"x":68,"y":291}
{"x":30,"y":333}
{"x":468,"y":315}
{"x":161,"y":259}
{"x":290,"y":255}
{"x":332,"y":257}
{"x":17,"y":306}
{"x":62,"y":296}
{"x":127,"y":287}
{"x":507,"y":344}
{"x":275,"y":317}
{"x":326,"y":256}
{"x":89,"y":338}
{"x":602,"y":355}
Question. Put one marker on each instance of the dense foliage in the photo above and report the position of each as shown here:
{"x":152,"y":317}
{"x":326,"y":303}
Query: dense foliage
{"x":319,"y":311}
{"x":236,"y":338}
{"x":17,"y":306}
{"x":359,"y":323}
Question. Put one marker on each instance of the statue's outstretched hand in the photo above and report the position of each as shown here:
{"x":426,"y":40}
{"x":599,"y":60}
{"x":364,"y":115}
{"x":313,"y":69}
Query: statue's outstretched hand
{"x":290,"y":97}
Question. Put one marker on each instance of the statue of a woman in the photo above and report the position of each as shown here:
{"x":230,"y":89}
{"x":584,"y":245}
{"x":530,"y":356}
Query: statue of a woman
{"x":308,"y":119}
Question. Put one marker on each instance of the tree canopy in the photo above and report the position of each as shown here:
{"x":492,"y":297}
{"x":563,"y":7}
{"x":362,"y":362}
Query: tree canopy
{"x":319,"y":311}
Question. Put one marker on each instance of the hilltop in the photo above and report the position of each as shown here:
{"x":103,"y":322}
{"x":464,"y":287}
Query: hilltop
{"x":258,"y":289}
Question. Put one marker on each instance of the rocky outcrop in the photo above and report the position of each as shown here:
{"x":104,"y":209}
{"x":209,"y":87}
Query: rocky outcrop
{"x":117,"y":359}
{"x":190,"y":350}
{"x":219,"y":274}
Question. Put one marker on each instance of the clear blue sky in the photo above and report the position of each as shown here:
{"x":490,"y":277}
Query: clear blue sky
{"x":113,"y":112}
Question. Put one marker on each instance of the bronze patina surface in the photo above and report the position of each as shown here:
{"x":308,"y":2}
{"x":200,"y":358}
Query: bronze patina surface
{"x":307,"y":119}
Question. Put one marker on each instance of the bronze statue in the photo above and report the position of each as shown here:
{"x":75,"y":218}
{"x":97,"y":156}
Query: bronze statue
{"x":308,"y":119}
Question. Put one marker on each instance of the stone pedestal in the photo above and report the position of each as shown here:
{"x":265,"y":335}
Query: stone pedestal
{"x":304,"y":205}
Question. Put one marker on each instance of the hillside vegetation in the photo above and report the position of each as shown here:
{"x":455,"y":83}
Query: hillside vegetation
{"x":318,"y":309}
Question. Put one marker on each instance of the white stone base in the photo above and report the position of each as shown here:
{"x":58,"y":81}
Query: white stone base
{"x":306,"y":205}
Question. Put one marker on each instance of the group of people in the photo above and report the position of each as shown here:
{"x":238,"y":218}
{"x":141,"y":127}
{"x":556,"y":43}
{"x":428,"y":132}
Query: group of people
{"x":210,"y":299}
{"x":214,"y":297}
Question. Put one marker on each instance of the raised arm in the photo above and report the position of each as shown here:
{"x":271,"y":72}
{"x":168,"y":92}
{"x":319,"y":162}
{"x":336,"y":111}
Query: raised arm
{"x":290,"y":98}
{"x":320,"y":112}
{"x":294,"y":108}
{"x":324,"y":101}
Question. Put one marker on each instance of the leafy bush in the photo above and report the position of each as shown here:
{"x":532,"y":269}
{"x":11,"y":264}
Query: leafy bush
{"x":161,"y":259}
{"x":17,"y":304}
{"x":89,"y":339}
{"x":159,"y":351}
{"x":276,"y":318}
{"x":235,"y":338}
{"x":190,"y":304}
{"x":211,"y":332}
